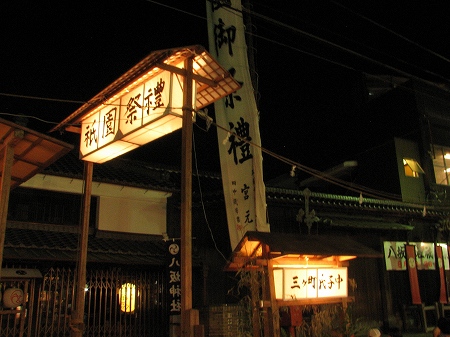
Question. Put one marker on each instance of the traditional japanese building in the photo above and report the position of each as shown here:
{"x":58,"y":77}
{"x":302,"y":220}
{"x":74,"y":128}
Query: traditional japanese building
{"x":135,"y":217}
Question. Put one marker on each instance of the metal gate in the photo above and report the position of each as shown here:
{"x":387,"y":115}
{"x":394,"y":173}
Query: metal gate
{"x":118,"y":303}
{"x":17,"y":293}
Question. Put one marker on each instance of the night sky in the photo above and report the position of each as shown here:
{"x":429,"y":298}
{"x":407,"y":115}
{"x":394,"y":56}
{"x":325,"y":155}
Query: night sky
{"x":309,"y":55}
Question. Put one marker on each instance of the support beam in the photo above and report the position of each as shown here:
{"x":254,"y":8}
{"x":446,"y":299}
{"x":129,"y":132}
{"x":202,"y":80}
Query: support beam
{"x":182,"y":72}
{"x":8,"y":161}
{"x":77,"y":319}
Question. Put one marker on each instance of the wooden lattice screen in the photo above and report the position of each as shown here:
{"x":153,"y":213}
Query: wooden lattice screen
{"x":47,"y":308}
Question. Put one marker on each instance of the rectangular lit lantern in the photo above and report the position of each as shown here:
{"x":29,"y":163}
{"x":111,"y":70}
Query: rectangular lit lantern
{"x":309,"y":283}
{"x":140,"y":114}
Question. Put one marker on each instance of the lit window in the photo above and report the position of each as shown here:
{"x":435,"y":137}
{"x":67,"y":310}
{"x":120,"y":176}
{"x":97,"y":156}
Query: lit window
{"x":412,"y":168}
{"x":441,"y":163}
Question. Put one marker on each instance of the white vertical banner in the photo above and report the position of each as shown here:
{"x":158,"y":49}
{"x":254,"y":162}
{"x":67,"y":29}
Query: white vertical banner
{"x":241,"y":162}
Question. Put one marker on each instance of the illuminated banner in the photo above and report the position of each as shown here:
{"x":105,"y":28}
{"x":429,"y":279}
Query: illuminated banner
{"x":241,"y":163}
{"x":309,"y":283}
{"x":395,"y":256}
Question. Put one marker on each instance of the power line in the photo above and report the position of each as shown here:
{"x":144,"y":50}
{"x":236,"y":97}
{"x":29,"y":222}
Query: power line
{"x":291,"y":28}
{"x":316,"y":173}
{"x":392,"y":32}
{"x":332,"y":44}
{"x":336,"y":46}
{"x":177,"y":9}
{"x":42,"y":98}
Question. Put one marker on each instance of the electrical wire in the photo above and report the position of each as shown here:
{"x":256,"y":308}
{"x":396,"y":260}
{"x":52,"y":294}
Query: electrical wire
{"x":391,"y":31}
{"x":203,"y":203}
{"x":177,"y":9}
{"x":316,"y":173}
{"x":313,"y":172}
{"x":336,"y":46}
{"x":314,"y":37}
{"x":42,"y":98}
{"x":293,"y":29}
{"x":27,"y":116}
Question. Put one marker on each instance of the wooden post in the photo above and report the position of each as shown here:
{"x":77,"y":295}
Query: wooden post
{"x":8,"y":160}
{"x":255,"y":287}
{"x":274,"y":310}
{"x":77,"y":321}
{"x":271,"y":313}
{"x":188,"y":317}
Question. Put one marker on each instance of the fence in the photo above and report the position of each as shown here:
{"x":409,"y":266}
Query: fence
{"x":118,"y":303}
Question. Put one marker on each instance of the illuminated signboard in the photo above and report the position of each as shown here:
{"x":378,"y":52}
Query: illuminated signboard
{"x":310,"y":283}
{"x":146,"y":112}
{"x":149,"y":101}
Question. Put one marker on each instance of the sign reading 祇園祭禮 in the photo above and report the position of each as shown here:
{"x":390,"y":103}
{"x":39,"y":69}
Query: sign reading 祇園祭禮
{"x":132,"y":118}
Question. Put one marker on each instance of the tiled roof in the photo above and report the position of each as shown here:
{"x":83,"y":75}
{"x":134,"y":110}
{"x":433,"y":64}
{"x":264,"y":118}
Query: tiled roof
{"x":351,"y":204}
{"x":135,"y":174}
{"x":22,"y":243}
{"x":165,"y":178}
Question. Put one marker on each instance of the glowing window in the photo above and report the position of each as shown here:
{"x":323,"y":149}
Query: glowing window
{"x":412,"y":168}
{"x":441,"y":164}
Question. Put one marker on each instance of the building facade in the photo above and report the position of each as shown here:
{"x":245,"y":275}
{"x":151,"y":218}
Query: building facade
{"x":135,"y":217}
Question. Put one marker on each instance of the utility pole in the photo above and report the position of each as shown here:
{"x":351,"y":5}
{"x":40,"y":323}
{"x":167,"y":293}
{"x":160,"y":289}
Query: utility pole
{"x":189,"y":317}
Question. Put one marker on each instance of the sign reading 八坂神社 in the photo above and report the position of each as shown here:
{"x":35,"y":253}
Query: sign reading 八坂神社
{"x":310,"y":283}
{"x":395,"y":256}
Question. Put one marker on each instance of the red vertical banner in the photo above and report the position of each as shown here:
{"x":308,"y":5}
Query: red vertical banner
{"x":443,"y":284}
{"x":412,"y":271}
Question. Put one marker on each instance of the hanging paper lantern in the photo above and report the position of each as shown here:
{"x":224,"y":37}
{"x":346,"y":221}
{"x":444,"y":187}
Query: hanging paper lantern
{"x":12,"y":297}
{"x":127,"y":297}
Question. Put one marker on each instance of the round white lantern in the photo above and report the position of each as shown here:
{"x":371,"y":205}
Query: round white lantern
{"x":12,"y":297}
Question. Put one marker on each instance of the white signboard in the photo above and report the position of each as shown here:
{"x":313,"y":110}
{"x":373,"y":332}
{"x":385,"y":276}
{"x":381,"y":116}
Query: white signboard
{"x":310,"y":283}
{"x":146,"y":112}
{"x":394,"y":255}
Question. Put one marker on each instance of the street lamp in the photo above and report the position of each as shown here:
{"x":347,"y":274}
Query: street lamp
{"x":157,"y":96}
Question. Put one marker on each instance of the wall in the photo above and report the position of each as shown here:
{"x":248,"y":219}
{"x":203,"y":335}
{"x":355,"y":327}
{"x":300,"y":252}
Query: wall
{"x":132,"y":215}
{"x":121,"y":208}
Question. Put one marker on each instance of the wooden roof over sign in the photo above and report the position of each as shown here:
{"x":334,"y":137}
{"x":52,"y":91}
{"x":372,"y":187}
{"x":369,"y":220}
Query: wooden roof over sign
{"x":33,"y":151}
{"x":301,"y":248}
{"x":212,"y":80}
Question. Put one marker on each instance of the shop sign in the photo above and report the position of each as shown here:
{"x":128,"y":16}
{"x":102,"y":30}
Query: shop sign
{"x":395,"y":257}
{"x":310,"y":283}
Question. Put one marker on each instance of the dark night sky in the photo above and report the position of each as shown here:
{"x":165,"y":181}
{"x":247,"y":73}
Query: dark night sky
{"x":308,"y":57}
